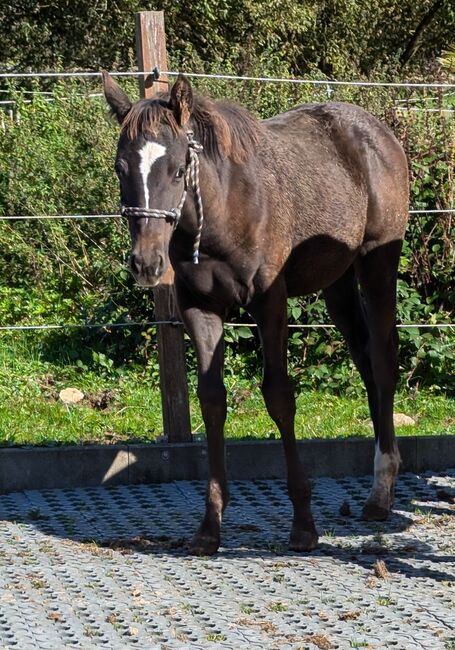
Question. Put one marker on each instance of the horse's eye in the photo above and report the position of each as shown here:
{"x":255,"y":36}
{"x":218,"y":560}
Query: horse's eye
{"x":180,"y":172}
{"x":121,"y":167}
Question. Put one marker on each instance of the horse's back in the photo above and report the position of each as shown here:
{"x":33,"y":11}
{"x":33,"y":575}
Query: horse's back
{"x":335,"y":136}
{"x":337,"y":121}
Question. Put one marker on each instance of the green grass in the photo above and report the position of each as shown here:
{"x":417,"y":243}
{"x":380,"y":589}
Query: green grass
{"x":32,"y":414}
{"x":323,"y":415}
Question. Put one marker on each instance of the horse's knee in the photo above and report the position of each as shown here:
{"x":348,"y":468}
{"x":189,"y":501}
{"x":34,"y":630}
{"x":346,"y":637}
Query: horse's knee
{"x":212,"y":397}
{"x":279,"y":398}
{"x":210,"y":390}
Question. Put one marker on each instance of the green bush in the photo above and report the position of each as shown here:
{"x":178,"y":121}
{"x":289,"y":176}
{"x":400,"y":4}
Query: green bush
{"x":56,"y":157}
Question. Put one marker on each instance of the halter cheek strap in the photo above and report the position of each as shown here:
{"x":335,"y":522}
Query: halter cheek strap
{"x":191,"y":180}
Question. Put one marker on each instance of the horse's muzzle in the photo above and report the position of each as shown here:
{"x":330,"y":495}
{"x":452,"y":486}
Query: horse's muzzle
{"x":147,"y":273}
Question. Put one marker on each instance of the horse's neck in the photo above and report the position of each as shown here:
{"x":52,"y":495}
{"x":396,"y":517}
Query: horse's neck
{"x":229,"y":192}
{"x":235,"y":215}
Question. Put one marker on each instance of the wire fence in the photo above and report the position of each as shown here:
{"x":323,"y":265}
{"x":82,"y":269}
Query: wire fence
{"x":327,"y":83}
{"x":23,"y":217}
{"x":228,"y":77}
{"x":48,"y":97}
{"x":150,"y":324}
{"x":156,"y":74}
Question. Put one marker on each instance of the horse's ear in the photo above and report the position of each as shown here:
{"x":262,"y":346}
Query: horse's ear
{"x":117,"y":99}
{"x":181,"y":100}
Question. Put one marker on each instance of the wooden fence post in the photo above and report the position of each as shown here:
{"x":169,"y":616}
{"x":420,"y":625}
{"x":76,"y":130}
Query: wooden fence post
{"x":151,"y":53}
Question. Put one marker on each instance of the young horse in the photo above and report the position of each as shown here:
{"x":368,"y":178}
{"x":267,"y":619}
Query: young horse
{"x":314,"y":198}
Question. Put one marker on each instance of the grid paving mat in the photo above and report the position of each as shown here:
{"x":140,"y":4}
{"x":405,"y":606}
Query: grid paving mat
{"x":108,"y":568}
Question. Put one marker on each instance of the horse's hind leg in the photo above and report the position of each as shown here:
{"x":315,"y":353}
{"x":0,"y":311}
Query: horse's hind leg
{"x":270,"y":313}
{"x":345,"y":307}
{"x":377,"y":273}
{"x":348,"y":313}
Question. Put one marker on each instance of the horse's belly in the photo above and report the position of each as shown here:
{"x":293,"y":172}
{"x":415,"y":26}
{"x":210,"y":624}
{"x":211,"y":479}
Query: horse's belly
{"x":316,"y":264}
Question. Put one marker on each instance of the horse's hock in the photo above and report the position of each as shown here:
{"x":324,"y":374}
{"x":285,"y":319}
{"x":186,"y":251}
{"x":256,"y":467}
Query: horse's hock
{"x":108,"y":567}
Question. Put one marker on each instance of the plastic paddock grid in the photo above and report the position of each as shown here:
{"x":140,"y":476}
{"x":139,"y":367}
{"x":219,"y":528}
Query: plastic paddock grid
{"x":107,"y":568}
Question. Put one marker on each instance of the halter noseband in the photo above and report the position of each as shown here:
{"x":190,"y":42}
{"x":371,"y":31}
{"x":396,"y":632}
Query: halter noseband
{"x":191,"y":179}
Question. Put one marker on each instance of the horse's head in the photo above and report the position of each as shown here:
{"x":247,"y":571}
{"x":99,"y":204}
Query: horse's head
{"x":152,"y":164}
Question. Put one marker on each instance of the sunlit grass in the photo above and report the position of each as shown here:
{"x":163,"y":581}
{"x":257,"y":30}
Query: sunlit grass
{"x":32,"y":414}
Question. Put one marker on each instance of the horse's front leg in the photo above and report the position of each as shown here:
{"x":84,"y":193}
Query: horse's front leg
{"x":270,"y":313}
{"x":206,"y":331}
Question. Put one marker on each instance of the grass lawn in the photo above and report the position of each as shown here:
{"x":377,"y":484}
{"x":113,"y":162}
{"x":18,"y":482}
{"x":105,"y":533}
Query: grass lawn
{"x":126,"y":407}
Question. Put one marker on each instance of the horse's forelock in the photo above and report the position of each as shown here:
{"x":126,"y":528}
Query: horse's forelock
{"x":145,"y":118}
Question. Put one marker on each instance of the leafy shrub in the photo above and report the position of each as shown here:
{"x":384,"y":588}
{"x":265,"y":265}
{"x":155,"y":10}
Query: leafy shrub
{"x":58,"y":159}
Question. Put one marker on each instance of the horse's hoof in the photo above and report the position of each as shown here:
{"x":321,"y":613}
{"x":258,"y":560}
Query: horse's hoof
{"x":374,"y":512}
{"x":302,"y":541}
{"x":204,"y":545}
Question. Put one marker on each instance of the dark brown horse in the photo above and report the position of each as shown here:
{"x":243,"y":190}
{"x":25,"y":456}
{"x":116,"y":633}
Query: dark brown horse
{"x":314,"y":198}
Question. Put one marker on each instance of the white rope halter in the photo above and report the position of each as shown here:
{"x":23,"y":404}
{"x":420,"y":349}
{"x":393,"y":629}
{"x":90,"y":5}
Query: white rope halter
{"x":191,"y":181}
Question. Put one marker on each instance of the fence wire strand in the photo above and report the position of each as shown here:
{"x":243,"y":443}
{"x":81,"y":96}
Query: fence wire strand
{"x":149,"y":324}
{"x":229,"y":77}
{"x":113,"y":215}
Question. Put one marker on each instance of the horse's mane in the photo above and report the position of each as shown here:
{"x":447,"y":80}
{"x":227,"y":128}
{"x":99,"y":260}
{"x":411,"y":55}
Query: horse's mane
{"x":223,"y":128}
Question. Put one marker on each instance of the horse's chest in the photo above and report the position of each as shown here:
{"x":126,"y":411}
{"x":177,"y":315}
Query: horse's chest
{"x":217,"y":281}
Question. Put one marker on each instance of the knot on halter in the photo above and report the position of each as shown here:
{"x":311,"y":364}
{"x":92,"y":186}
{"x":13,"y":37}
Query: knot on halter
{"x":194,"y":144}
{"x":191,"y":180}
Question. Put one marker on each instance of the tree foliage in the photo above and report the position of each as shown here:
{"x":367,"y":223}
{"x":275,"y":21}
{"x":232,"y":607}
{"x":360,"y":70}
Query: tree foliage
{"x":334,"y":37}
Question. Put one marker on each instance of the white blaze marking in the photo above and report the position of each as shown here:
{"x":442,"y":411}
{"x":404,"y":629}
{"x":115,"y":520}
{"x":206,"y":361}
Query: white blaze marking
{"x":149,"y":154}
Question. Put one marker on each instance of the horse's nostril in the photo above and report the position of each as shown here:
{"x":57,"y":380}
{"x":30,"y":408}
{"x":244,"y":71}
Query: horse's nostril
{"x":159,"y":265}
{"x":135,"y":264}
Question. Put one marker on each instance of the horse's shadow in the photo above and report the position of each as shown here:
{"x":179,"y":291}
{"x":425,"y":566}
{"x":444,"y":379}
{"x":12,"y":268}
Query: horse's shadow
{"x":159,"y":519}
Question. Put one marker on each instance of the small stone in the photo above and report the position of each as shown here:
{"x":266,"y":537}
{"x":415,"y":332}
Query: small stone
{"x":71,"y":395}
{"x":399,"y":420}
{"x":352,"y":615}
{"x":403,"y":420}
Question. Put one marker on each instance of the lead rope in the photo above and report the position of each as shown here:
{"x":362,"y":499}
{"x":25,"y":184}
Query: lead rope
{"x":195,"y":149}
